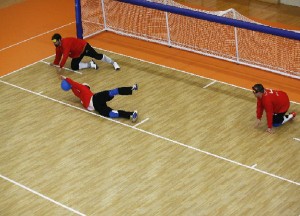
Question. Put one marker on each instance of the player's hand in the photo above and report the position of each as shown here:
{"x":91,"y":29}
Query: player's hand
{"x":257,"y":123}
{"x":270,"y":130}
{"x":62,"y":77}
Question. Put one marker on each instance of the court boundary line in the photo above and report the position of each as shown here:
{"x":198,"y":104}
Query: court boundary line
{"x":39,"y":61}
{"x":28,"y":39}
{"x":141,"y":122}
{"x":57,"y":66}
{"x":15,"y":71}
{"x":18,"y":70}
{"x":209,"y":84}
{"x":182,"y":71}
{"x":159,"y":136}
{"x":41,"y":195}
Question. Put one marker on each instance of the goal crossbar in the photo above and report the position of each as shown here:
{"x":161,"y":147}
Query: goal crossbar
{"x":226,"y":35}
{"x":216,"y":19}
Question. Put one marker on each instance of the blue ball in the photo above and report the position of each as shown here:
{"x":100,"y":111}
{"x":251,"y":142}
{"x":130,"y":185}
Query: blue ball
{"x":65,"y":85}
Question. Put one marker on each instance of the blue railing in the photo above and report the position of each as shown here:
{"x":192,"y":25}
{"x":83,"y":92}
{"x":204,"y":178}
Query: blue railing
{"x":216,"y":19}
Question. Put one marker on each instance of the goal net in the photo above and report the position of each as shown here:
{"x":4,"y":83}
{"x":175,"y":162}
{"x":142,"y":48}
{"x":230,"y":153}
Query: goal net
{"x":256,"y":49}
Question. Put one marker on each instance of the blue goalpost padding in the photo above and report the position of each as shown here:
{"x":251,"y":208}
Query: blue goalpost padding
{"x":78,"y":19}
{"x":216,"y":19}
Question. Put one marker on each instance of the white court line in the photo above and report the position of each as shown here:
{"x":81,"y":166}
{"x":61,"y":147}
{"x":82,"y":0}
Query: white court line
{"x":254,"y":165}
{"x":174,"y":69}
{"x":35,"y":36}
{"x":210,"y":84}
{"x":40,"y":92}
{"x":41,"y":61}
{"x":297,"y":139}
{"x":161,"y":137}
{"x":141,"y":122}
{"x":18,"y":70}
{"x":25,"y":67}
{"x":41,"y":195}
{"x":68,"y":69}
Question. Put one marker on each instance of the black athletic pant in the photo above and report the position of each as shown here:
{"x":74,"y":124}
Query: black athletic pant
{"x":88,"y":51}
{"x":100,"y":99}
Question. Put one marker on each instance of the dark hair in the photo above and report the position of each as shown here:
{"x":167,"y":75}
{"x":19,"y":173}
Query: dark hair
{"x":56,"y":37}
{"x":258,"y":88}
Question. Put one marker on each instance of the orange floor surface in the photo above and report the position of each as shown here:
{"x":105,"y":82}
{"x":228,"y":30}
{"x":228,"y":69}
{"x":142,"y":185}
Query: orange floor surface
{"x":26,"y":29}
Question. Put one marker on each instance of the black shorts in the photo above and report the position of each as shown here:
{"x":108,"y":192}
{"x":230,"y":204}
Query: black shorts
{"x":99,"y":102}
{"x":278,"y":118}
{"x":88,"y":51}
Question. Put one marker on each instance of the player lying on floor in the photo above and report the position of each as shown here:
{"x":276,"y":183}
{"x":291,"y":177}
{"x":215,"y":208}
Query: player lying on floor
{"x":98,"y":101}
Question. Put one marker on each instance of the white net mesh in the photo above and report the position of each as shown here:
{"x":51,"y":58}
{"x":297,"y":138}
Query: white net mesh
{"x":92,"y":17}
{"x":260,"y":50}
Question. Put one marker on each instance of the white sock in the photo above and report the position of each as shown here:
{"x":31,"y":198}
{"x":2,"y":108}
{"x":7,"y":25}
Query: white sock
{"x":287,"y":118}
{"x":84,"y":65}
{"x":107,"y":59}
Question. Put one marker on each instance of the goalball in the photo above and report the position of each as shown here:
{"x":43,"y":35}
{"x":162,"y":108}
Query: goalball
{"x":65,"y":85}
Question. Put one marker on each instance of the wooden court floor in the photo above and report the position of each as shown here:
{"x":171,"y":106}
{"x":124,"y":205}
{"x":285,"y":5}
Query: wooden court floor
{"x":193,"y":151}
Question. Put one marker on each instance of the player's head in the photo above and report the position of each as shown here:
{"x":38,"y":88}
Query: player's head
{"x":258,"y":89}
{"x":65,"y":85}
{"x":56,"y":39}
{"x":87,"y":85}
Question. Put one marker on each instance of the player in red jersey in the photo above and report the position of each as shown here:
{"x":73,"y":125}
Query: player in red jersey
{"x":275,"y":103}
{"x":76,"y":49}
{"x":98,"y":101}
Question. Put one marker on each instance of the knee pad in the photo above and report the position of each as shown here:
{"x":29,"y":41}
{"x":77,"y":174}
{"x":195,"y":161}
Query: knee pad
{"x":113,"y":92}
{"x":114,"y":114}
{"x":276,"y":124}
